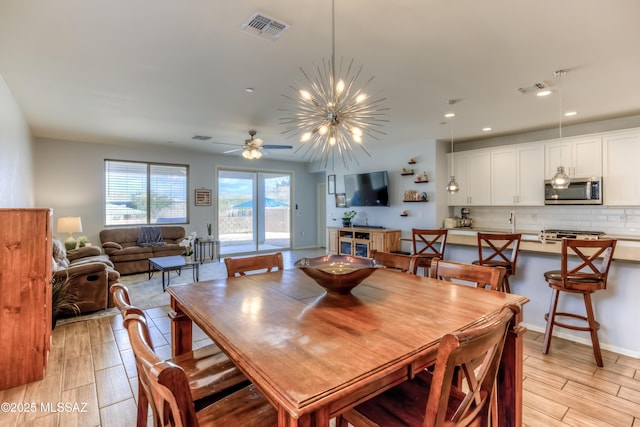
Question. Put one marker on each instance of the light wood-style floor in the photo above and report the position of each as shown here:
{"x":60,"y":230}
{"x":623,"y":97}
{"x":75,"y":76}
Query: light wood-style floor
{"x":91,"y":364}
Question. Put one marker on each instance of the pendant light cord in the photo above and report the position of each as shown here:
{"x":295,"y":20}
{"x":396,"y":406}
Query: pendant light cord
{"x":333,"y":41}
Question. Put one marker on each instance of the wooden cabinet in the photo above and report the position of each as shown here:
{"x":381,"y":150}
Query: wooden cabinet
{"x":25,"y":295}
{"x":621,"y":181}
{"x":361,"y":241}
{"x":517,"y":175}
{"x":580,"y":156}
{"x":472,"y":170}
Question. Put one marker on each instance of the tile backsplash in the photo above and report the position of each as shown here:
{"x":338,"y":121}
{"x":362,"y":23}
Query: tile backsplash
{"x":617,"y":221}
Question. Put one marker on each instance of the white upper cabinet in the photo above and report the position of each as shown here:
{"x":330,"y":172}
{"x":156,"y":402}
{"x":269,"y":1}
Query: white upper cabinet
{"x":517,"y":175}
{"x":621,"y":181}
{"x":580,"y":156}
{"x":472,"y":171}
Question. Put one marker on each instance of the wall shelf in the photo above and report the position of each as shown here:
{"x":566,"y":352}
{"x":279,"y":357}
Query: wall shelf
{"x":415,"y":201}
{"x":421,"y":182}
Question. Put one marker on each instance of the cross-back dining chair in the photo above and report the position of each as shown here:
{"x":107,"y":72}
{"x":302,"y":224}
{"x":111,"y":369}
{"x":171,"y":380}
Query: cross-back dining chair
{"x":479,"y":275}
{"x":242,"y":265}
{"x":166,"y":386}
{"x":428,"y":244}
{"x":499,"y":250}
{"x":585,"y":276}
{"x":210,"y":373}
{"x":401,"y":262}
{"x":431,"y":398}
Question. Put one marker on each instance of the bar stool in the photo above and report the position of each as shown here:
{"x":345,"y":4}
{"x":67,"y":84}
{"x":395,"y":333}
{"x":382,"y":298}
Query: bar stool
{"x":493,"y":251}
{"x":588,"y":276}
{"x":428,"y":244}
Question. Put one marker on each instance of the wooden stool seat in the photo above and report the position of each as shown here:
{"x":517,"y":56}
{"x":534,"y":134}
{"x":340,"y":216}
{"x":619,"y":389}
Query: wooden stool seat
{"x":493,"y":251}
{"x":588,"y":275}
{"x":427,"y":245}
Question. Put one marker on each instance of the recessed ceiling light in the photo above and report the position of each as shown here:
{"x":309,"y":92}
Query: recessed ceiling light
{"x":544,"y":93}
{"x":486,"y":129}
{"x":249,"y":90}
{"x":570,"y":113}
{"x":449,"y":115}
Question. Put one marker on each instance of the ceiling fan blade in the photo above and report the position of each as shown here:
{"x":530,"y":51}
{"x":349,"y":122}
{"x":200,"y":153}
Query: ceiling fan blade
{"x":225,"y":143}
{"x":276,"y":147}
{"x":233,"y":151}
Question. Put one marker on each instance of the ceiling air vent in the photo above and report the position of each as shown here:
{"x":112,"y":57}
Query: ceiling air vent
{"x":533,"y":88}
{"x":201,"y":137}
{"x":264,"y":27}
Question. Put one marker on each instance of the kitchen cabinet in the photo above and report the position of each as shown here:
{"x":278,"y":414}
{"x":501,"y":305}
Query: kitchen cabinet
{"x":472,"y":170}
{"x":517,"y":175}
{"x":621,"y":181}
{"x":580,"y":156}
{"x":360,"y":242}
{"x":25,"y":295}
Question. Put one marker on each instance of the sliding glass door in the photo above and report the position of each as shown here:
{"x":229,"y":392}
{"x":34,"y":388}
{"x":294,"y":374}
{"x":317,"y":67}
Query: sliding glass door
{"x":254,"y":213}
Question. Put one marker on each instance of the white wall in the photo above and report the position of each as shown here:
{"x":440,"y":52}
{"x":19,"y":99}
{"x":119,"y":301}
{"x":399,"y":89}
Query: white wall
{"x":69,"y":177}
{"x":16,"y":163}
{"x":393,"y":159}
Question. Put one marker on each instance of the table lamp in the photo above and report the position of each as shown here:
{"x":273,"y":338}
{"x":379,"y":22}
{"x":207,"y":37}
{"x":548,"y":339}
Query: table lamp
{"x":70,"y":224}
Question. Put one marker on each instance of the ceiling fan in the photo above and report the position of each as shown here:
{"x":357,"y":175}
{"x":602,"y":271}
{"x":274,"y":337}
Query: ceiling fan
{"x":251,"y":149}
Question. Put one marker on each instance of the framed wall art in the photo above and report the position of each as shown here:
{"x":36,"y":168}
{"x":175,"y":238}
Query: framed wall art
{"x":203,"y":197}
{"x":331,"y":184}
{"x":341,"y":200}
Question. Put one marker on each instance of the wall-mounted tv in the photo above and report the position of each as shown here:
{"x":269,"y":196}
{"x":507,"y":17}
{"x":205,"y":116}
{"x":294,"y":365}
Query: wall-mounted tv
{"x":367,"y":189}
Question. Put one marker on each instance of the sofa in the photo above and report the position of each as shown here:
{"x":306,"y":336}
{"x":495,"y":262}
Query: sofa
{"x":90,"y":274}
{"x":129,"y":253}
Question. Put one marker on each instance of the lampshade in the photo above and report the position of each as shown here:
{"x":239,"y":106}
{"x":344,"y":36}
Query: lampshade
{"x":69,"y":224}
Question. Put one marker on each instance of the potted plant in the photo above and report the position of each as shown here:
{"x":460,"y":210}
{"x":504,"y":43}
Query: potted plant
{"x":347,"y":217}
{"x":187,"y":244}
{"x":209,"y":234}
{"x":62,"y":299}
{"x":82,"y":241}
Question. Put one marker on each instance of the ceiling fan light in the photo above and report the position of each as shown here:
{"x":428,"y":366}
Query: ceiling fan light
{"x":257,"y":154}
{"x":246,"y":154}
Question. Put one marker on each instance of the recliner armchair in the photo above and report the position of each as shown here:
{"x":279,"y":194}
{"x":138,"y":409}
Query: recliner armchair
{"x":90,"y":273}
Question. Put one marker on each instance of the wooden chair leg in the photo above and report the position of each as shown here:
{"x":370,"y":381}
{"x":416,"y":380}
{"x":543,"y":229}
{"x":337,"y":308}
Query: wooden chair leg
{"x":143,"y":407}
{"x":593,"y":329}
{"x":505,"y":285}
{"x":551,"y":318}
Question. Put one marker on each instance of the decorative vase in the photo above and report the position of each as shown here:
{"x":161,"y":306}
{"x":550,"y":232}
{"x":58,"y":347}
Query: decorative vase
{"x":346,"y":222}
{"x":187,"y":259}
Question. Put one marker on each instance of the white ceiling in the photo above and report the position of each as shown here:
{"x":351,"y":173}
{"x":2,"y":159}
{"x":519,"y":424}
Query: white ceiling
{"x":160,"y":71}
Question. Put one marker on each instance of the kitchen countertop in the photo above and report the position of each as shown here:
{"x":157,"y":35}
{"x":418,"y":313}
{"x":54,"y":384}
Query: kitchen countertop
{"x":627,"y":248}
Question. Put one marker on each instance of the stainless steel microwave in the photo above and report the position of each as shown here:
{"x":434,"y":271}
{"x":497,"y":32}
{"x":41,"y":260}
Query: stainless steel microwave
{"x":581,"y":191}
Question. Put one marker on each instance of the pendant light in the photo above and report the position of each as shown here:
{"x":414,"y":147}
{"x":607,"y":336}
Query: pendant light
{"x":560,"y":180}
{"x":452,"y":186}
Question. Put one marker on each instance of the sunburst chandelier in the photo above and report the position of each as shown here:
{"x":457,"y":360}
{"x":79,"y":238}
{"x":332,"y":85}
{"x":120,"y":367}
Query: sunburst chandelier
{"x":332,"y":114}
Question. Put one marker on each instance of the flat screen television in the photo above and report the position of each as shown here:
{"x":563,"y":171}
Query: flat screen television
{"x":367,"y":189}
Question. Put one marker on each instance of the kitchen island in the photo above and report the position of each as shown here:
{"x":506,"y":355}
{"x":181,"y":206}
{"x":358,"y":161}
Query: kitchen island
{"x":616,"y":308}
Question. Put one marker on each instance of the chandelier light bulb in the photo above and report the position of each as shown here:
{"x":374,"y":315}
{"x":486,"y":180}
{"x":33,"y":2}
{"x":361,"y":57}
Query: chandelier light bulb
{"x":356,"y":131}
{"x":340,"y":86}
{"x":361,"y":98}
{"x":332,"y":140}
{"x":305,"y":95}
{"x":305,"y":137}
{"x":323,"y":130}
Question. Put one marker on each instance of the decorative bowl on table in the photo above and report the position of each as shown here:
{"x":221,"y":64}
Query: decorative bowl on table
{"x":337,"y":274}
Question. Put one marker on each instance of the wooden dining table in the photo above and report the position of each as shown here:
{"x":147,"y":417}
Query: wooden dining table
{"x":315,"y":355}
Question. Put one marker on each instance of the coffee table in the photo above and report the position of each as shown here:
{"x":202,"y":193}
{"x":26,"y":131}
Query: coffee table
{"x":166,"y":264}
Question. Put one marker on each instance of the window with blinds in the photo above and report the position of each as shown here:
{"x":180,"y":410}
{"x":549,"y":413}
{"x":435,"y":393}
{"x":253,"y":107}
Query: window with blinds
{"x":145,"y":193}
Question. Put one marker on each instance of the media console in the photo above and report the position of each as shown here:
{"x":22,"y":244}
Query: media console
{"x":360,"y":241}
